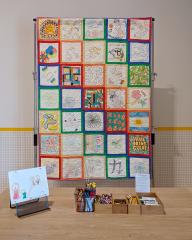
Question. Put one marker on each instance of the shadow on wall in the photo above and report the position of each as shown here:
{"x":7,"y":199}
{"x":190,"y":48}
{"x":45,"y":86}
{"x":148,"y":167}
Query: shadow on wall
{"x":165,"y":149}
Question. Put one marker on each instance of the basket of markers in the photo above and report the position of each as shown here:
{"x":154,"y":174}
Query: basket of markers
{"x":84,"y":198}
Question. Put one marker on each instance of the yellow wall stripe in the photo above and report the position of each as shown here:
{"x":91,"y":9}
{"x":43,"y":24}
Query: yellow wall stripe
{"x":16,"y":129}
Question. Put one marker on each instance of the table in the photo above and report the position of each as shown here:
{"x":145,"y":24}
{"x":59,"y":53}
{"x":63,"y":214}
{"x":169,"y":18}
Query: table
{"x":62,"y":222}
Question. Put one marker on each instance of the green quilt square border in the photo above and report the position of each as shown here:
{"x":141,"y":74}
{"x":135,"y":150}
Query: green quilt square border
{"x":39,"y":98}
{"x":94,"y":154}
{"x":141,"y":64}
{"x":71,"y":110}
{"x":106,"y":53}
{"x":104,"y":30}
{"x":117,"y":156}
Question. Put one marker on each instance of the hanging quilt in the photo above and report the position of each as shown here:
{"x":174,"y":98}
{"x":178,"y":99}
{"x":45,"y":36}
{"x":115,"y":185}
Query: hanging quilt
{"x":94,"y":97}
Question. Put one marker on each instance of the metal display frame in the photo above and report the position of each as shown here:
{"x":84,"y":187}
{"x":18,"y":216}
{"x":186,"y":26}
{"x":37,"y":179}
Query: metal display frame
{"x":36,"y":125}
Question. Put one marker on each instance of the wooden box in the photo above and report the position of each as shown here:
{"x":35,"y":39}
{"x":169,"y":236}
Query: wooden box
{"x":151,"y":209}
{"x":119,"y":205}
{"x":133,"y":209}
{"x":103,"y":208}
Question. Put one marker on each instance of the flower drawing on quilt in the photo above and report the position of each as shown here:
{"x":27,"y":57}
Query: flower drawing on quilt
{"x":48,"y":29}
{"x":139,"y":75}
{"x":48,"y":54}
{"x":116,"y":121}
{"x":139,"y":98}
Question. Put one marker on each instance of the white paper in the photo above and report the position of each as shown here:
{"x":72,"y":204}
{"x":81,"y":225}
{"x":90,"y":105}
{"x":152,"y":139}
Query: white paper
{"x":142,"y":183}
{"x":28,"y":184}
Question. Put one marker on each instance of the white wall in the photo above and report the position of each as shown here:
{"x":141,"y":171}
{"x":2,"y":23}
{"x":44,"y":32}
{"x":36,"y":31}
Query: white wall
{"x":173,"y":51}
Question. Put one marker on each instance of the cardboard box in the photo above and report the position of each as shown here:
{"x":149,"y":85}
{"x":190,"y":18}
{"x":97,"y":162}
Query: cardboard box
{"x":119,"y":206}
{"x":151,"y":209}
{"x":134,"y":209}
{"x":103,"y":208}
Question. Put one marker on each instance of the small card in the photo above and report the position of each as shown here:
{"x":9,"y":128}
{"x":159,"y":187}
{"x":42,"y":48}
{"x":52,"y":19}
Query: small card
{"x":142,"y":183}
